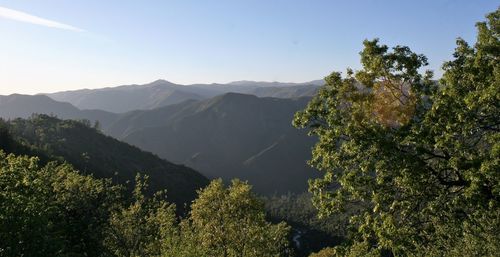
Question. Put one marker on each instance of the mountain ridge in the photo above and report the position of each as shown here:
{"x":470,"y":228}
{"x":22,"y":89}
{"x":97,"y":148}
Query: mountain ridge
{"x":101,"y":156}
{"x":160,"y":93}
{"x":228,"y":136}
{"x":23,"y":106}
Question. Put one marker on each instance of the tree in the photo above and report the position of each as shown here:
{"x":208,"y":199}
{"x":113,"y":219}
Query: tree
{"x":326,"y":252}
{"x":311,"y":232}
{"x":222,"y":222}
{"x":97,"y":125}
{"x":418,"y":159}
{"x":231,"y":222}
{"x":144,"y":228}
{"x":6,"y":141}
{"x":51,"y":210}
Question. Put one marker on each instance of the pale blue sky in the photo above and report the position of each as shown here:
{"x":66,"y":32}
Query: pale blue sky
{"x":94,"y":43}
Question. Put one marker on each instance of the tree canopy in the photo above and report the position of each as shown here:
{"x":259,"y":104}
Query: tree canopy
{"x":101,"y":156}
{"x":419,"y":159}
{"x":53,"y":210}
{"x":231,"y":222}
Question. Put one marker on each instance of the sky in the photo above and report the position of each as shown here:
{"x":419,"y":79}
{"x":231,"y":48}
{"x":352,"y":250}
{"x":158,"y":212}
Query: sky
{"x":56,"y":45}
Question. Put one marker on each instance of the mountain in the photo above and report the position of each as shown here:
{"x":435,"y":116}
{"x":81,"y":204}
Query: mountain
{"x":132,"y":97}
{"x":94,"y":153}
{"x":228,"y":136}
{"x":162,"y":93}
{"x":319,"y":82}
{"x":23,"y":106}
{"x":285,"y":92}
{"x":135,"y":120}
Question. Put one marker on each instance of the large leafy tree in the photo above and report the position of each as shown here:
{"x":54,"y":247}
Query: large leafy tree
{"x":416,"y":161}
{"x":144,"y":228}
{"x":51,"y":210}
{"x":231,"y":222}
{"x":222,"y":222}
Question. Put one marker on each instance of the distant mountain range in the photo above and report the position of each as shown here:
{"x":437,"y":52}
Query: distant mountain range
{"x":23,"y":106}
{"x":232,"y":135}
{"x":245,"y":135}
{"x":162,"y":93}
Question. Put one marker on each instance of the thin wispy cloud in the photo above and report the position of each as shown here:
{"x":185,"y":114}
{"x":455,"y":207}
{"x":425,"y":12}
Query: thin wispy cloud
{"x":25,"y":17}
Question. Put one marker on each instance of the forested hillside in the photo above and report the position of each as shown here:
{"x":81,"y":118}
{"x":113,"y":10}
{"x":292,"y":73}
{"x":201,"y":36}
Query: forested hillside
{"x":93,"y":153}
{"x":54,"y":210}
{"x":395,"y":162}
{"x":228,"y":136}
{"x":23,"y":106}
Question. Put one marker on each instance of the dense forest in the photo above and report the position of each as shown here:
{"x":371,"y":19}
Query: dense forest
{"x":410,"y":167}
{"x":80,"y":144}
{"x":53,"y":210}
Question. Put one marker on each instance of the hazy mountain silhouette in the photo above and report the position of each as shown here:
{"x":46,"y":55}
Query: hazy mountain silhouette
{"x":161,"y":93}
{"x":23,"y":106}
{"x":285,"y":92}
{"x":232,"y":135}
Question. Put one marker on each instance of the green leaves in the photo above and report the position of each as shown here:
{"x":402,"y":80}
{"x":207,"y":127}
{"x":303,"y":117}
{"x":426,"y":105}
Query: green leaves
{"x":144,"y":228}
{"x":55,"y":211}
{"x":51,"y":210}
{"x":420,"y":159}
{"x":231,"y":222}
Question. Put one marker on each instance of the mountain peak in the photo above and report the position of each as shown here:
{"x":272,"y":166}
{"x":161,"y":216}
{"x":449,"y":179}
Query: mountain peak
{"x":22,"y":97}
{"x":159,"y":82}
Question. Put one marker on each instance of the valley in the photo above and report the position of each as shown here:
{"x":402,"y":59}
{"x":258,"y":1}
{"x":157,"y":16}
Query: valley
{"x":222,"y":131}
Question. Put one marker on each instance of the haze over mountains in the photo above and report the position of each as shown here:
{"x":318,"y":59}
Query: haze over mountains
{"x":226,"y":136}
{"x":22,"y":106}
{"x":240,"y":129}
{"x":161,"y":93}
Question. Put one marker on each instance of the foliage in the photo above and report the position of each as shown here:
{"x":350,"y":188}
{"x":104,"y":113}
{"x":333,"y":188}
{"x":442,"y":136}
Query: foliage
{"x":326,"y":252}
{"x":231,"y":222}
{"x":299,"y":209}
{"x":222,"y":222}
{"x":419,"y":159}
{"x":51,"y":210}
{"x":311,"y":232}
{"x":143,"y":227}
{"x":101,"y":156}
